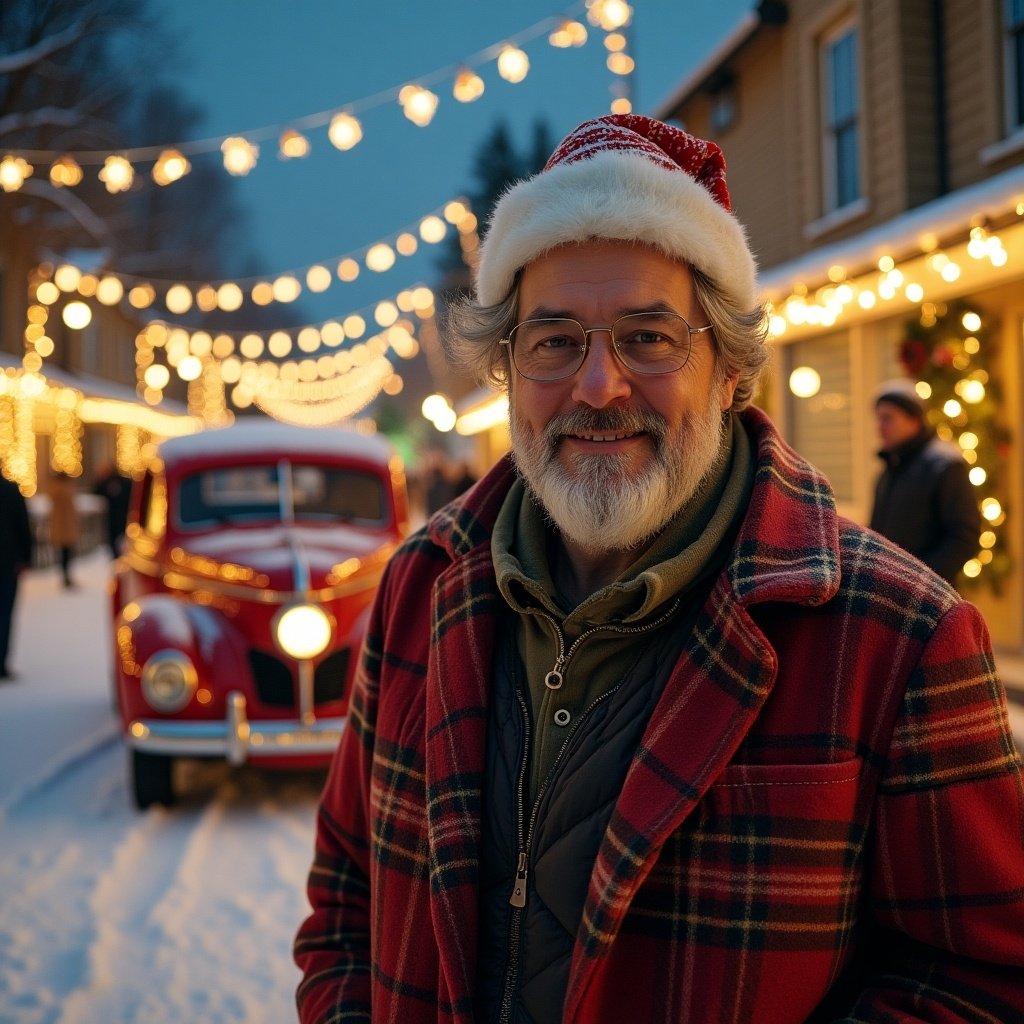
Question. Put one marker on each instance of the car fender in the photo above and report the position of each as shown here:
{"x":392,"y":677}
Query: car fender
{"x":205,"y":635}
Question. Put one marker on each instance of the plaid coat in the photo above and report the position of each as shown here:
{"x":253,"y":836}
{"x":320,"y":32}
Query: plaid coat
{"x":824,"y":821}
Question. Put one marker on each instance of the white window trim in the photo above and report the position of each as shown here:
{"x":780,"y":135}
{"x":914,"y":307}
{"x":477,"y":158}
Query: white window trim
{"x":826,"y":145}
{"x":837,"y":218}
{"x":1013,"y":143}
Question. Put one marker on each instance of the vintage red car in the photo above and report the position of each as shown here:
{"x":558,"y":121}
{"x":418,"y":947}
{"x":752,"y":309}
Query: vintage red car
{"x":241,"y":598}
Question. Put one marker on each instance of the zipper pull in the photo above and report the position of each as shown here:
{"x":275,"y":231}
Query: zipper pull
{"x":553,"y":680}
{"x":518,"y":898}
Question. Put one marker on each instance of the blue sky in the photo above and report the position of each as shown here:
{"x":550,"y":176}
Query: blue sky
{"x":254,"y":63}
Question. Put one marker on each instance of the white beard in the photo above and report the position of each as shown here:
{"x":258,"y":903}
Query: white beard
{"x":600,"y":502}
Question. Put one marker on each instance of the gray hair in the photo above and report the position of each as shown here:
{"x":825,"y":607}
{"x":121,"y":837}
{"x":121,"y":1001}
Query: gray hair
{"x":473,"y":334}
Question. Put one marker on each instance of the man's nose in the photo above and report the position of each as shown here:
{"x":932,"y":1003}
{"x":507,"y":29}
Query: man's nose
{"x":602,"y":379}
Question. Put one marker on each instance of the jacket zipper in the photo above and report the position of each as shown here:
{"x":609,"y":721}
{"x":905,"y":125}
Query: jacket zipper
{"x":518,"y":897}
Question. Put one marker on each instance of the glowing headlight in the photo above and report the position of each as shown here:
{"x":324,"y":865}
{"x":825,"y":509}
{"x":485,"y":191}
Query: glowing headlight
{"x":169,"y":680}
{"x":303,"y":631}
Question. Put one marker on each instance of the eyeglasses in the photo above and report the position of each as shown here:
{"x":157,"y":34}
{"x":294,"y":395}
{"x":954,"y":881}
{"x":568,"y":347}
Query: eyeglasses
{"x":649,"y":343}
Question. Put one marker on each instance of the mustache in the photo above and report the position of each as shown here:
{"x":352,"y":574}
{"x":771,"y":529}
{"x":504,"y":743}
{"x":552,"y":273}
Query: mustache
{"x":620,"y":421}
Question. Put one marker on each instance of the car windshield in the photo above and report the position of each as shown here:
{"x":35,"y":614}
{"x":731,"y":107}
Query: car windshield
{"x":319,"y":493}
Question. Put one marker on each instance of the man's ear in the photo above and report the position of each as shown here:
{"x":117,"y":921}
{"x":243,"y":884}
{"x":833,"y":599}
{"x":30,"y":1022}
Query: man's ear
{"x":728,"y":390}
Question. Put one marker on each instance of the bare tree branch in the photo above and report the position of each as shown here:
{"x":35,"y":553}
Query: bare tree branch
{"x":72,"y":205}
{"x":23,"y":59}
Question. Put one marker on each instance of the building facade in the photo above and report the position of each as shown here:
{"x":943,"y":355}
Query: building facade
{"x":876,"y":155}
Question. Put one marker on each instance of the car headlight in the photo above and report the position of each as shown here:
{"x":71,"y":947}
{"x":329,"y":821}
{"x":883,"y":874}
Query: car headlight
{"x":302,"y":631}
{"x":169,"y":680}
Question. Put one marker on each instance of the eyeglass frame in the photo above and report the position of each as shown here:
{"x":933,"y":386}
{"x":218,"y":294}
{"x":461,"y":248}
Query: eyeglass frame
{"x":507,"y":341}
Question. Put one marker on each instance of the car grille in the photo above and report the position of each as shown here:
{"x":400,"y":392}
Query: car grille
{"x":276,"y":686}
{"x":274,"y":681}
{"x":329,"y":679}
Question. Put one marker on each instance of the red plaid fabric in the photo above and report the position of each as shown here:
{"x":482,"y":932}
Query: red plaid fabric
{"x":824,"y":820}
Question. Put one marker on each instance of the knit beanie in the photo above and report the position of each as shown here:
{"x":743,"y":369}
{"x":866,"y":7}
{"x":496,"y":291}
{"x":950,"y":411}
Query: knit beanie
{"x":901,"y":393}
{"x":625,"y":177}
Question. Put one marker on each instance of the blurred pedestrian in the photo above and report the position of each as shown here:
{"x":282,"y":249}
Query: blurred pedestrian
{"x":115,"y":488}
{"x":924,"y":499}
{"x":15,"y":556}
{"x":63,"y":522}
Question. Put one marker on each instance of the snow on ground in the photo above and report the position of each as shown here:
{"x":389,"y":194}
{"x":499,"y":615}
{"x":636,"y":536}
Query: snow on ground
{"x":109,"y":915}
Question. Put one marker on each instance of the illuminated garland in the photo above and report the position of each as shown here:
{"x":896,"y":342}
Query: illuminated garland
{"x":946,"y":350}
{"x":228,"y":295}
{"x":240,"y":152}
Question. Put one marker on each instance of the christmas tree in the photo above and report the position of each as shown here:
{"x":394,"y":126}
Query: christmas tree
{"x":948,"y":351}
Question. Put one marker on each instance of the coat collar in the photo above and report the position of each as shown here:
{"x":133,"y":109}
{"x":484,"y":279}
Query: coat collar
{"x":787,"y":550}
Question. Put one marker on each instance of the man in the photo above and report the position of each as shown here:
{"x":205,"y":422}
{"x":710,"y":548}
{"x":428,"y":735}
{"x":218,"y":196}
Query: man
{"x":115,"y":488}
{"x":642,"y":730}
{"x":15,"y":556}
{"x":924,"y":500}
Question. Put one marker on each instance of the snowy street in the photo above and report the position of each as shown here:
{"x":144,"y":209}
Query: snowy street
{"x":110,"y":915}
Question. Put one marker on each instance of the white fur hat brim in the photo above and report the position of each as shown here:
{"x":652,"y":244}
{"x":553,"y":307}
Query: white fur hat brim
{"x":615,"y":195}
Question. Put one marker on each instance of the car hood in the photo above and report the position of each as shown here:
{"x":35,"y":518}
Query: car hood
{"x":288,"y":559}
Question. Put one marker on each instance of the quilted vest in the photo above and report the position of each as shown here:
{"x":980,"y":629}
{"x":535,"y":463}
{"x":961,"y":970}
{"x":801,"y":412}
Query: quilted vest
{"x":525,"y":954}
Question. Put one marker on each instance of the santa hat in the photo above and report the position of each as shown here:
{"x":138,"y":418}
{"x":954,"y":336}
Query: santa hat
{"x":625,"y":177}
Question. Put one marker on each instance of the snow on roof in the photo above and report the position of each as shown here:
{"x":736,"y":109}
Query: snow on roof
{"x":263,"y":436}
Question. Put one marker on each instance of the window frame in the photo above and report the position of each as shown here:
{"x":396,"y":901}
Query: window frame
{"x":827,"y":43}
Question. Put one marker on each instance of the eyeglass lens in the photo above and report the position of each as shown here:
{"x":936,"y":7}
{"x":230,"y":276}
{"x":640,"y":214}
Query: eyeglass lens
{"x":645,"y":342}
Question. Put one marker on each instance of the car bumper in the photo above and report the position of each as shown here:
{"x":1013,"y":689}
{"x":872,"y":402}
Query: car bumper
{"x":235,"y":737}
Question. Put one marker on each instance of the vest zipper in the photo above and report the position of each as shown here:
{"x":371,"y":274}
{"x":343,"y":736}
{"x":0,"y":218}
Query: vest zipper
{"x":518,"y":898}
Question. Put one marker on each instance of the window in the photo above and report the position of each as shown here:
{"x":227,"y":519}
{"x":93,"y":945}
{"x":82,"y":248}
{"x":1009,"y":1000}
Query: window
{"x":840,"y":107}
{"x":1015,"y":63}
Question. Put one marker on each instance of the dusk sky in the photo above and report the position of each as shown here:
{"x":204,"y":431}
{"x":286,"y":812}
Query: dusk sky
{"x":255,"y":63}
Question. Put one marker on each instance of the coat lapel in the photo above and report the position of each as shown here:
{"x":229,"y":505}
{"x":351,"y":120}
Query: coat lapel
{"x":465,"y":608}
{"x":787,"y":550}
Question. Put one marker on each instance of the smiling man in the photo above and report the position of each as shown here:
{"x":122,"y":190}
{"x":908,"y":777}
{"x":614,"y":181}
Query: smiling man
{"x":643,"y":730}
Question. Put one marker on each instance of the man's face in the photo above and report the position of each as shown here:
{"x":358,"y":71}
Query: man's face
{"x":895,"y":425}
{"x":612,"y":454}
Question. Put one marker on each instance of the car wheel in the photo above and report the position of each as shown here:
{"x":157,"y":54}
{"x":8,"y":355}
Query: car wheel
{"x":151,"y":779}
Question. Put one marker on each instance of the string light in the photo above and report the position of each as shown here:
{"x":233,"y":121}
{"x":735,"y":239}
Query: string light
{"x":513,"y":64}
{"x":240,"y":155}
{"x":468,"y":86}
{"x":170,"y":166}
{"x":65,"y":172}
{"x":345,"y":131}
{"x":293,"y":145}
{"x":117,"y":174}
{"x":13,"y":172}
{"x":418,"y":104}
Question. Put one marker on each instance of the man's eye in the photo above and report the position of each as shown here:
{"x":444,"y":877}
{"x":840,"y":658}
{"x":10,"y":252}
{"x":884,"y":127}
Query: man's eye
{"x":639,"y":338}
{"x":555,"y":341}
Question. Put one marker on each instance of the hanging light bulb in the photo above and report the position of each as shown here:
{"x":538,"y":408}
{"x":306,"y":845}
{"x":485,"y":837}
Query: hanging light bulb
{"x":65,"y":172}
{"x":345,"y":131}
{"x":468,"y":86}
{"x":170,"y":166}
{"x":513,"y":64}
{"x":13,"y":172}
{"x":609,"y":14}
{"x":77,"y":315}
{"x":380,"y":257}
{"x":240,"y":155}
{"x":117,"y":174}
{"x":292,"y":145}
{"x":432,"y":229}
{"x":569,"y":33}
{"x":418,"y":104}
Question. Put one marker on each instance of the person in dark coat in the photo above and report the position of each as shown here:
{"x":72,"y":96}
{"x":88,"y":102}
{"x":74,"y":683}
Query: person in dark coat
{"x":115,"y":488}
{"x":15,"y":555}
{"x":924,"y":500}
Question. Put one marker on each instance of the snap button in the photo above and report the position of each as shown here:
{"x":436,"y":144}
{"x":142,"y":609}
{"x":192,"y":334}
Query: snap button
{"x":562,"y":717}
